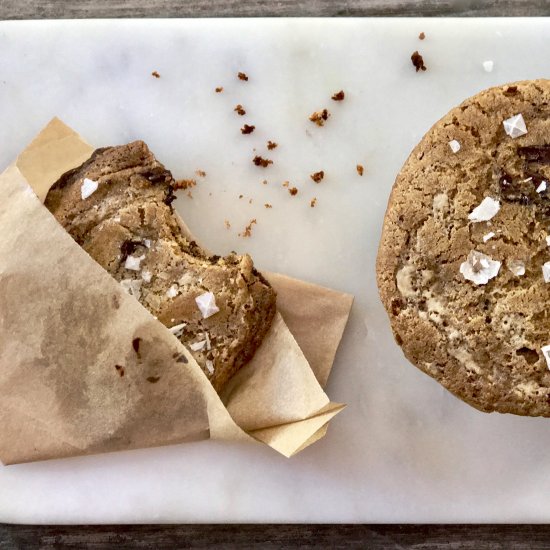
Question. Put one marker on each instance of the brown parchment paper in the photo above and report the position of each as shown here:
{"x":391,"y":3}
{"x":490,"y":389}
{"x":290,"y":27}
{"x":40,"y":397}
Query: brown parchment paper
{"x":84,"y":368}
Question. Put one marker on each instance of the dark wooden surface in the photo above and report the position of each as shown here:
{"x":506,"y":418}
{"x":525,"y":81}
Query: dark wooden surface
{"x":52,"y":9}
{"x":417,"y":537}
{"x":372,"y":537}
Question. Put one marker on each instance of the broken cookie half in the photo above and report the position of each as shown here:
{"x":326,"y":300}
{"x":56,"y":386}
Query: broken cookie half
{"x":118,"y":207}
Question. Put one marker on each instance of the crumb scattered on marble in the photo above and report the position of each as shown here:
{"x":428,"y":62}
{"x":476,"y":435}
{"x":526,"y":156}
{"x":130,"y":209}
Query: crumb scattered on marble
{"x":339,"y":96}
{"x":317,"y":176}
{"x":272,"y":145}
{"x":184,"y":184}
{"x":247,"y":129}
{"x":313,"y":202}
{"x":421,"y":36}
{"x":286,"y":183}
{"x":267,"y":205}
{"x":239,"y":110}
{"x":227,"y":224}
{"x":200,"y":173}
{"x":319,"y":117}
{"x":293,"y":191}
{"x":219,"y":89}
{"x":248,"y":229}
{"x":242,"y":76}
{"x":418,"y":61}
{"x":260,"y":161}
{"x":155,"y":74}
{"x":360,"y":169}
{"x":241,"y":196}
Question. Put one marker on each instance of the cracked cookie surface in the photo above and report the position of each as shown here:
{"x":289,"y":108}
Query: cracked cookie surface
{"x":128,"y":226}
{"x":481,"y":337}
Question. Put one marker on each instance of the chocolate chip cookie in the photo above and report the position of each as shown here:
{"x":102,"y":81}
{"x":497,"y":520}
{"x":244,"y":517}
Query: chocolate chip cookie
{"x":463,"y":265}
{"x":118,"y":207}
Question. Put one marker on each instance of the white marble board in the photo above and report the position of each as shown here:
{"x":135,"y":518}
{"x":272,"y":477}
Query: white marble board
{"x":404,"y":450}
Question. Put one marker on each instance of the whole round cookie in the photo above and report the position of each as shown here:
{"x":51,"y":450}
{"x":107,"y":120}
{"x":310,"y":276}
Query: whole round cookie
{"x":463,"y":266}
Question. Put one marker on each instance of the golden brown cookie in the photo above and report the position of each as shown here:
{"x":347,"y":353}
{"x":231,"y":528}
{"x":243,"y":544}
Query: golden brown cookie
{"x":463,"y":265}
{"x":117,"y":206}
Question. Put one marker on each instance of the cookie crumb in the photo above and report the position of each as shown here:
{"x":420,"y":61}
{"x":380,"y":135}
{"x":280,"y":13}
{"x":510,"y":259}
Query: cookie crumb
{"x":184,"y":184}
{"x":286,"y":183}
{"x":421,"y":36}
{"x":227,"y":224}
{"x":418,"y":61}
{"x":317,"y":176}
{"x":267,"y":205}
{"x":239,"y":110}
{"x":219,"y":89}
{"x":360,"y":169}
{"x":264,"y":182}
{"x":242,"y":76}
{"x":259,"y":161}
{"x":200,"y":173}
{"x":313,"y":202}
{"x":339,"y":96}
{"x":293,"y":191}
{"x":246,"y":129}
{"x":319,"y":117}
{"x":249,"y":201}
{"x":272,"y":145}
{"x":241,"y":196}
{"x":155,"y":74}
{"x":248,"y":229}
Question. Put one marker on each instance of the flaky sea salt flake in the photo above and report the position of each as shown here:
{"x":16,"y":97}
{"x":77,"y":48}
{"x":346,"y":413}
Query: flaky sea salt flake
{"x":486,"y":210}
{"x":209,"y":366}
{"x":479,"y":268}
{"x":146,"y":276}
{"x":546,"y":272}
{"x":173,"y":291}
{"x":488,"y":66}
{"x":546,"y":352}
{"x":198,"y":346}
{"x":516,"y":267}
{"x":541,"y":187}
{"x":133,"y":262}
{"x":515,"y":126}
{"x":207,"y":304}
{"x":454,"y":145}
{"x":489,"y":235}
{"x":177,"y":330}
{"x":88,"y":187}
